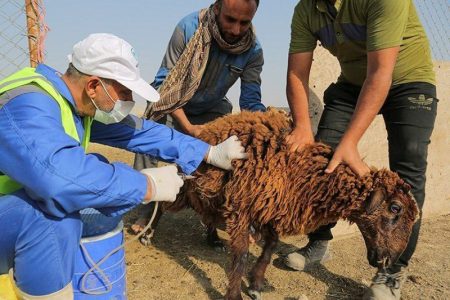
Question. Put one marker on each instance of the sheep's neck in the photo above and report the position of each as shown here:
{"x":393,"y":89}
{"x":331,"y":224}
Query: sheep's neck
{"x":326,"y":198}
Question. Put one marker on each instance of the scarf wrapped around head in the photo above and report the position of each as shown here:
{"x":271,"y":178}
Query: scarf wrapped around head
{"x":184,"y":78}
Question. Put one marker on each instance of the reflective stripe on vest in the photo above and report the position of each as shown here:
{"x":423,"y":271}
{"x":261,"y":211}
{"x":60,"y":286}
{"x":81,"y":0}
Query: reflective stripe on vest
{"x":24,"y":78}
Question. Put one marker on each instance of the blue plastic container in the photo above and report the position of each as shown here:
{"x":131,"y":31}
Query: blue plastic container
{"x":101,"y":235}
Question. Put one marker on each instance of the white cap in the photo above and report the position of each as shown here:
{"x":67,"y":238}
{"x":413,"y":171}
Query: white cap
{"x":108,"y":56}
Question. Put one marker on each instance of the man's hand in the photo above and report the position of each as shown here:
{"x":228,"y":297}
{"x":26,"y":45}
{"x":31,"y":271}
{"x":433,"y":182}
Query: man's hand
{"x":222,"y":154}
{"x":195,"y":130}
{"x":380,"y":65}
{"x":348,"y":153}
{"x":164,"y":184}
{"x":299,"y":138}
{"x":184,"y":123}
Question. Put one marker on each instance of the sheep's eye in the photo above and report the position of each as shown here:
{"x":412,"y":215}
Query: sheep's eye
{"x":395,"y":208}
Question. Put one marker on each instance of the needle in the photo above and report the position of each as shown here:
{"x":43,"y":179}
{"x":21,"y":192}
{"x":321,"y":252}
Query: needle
{"x":186,"y":177}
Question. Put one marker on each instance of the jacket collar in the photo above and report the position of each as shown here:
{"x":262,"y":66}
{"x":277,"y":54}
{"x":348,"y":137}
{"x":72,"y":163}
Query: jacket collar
{"x":55,"y":78}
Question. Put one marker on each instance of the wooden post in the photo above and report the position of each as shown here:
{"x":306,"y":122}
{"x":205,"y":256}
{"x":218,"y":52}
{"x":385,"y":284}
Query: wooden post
{"x":32,"y":31}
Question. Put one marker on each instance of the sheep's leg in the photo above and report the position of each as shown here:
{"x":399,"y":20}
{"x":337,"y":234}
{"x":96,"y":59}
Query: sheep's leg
{"x":146,"y":239}
{"x":239,"y":249}
{"x":213,"y":240}
{"x":258,"y":271}
{"x":145,"y":215}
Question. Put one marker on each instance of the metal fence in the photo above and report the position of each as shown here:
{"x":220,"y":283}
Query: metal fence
{"x":435,"y":17}
{"x":22,"y":34}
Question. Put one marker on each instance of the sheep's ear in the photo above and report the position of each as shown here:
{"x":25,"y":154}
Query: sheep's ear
{"x":376,"y":198}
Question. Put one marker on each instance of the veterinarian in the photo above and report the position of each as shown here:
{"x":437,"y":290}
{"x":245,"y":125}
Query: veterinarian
{"x":386,"y":69}
{"x":215,"y":46}
{"x":47,"y":120}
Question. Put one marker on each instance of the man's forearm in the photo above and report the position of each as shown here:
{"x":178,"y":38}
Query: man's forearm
{"x":380,"y":66}
{"x":297,"y":96}
{"x":297,"y":89}
{"x":182,"y":119}
{"x":371,"y":98}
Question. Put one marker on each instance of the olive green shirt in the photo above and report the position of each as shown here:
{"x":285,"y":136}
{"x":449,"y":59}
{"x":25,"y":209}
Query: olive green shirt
{"x":351,"y":28}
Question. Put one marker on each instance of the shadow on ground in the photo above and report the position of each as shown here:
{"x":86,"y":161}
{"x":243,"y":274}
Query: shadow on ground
{"x":181,"y":237}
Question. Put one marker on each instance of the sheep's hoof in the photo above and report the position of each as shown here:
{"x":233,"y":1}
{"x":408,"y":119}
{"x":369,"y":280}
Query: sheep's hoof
{"x":146,"y":240}
{"x":217,"y":245}
{"x":255,"y":295}
{"x":220,"y":249}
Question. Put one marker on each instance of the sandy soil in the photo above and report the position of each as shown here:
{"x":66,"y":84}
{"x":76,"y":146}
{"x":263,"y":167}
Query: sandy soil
{"x":179,"y":265}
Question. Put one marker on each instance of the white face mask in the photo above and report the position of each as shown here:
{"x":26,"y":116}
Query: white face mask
{"x":120,"y":110}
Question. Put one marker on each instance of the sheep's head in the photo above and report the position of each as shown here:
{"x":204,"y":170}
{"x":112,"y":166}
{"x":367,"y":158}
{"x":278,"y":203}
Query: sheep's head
{"x":387,"y":218}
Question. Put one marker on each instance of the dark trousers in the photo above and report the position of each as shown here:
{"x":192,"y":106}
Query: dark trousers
{"x":409,"y":113}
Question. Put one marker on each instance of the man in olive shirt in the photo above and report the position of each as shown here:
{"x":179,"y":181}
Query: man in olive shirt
{"x":386,"y":68}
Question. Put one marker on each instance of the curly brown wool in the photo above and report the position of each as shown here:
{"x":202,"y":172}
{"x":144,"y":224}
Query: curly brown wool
{"x":277,"y":192}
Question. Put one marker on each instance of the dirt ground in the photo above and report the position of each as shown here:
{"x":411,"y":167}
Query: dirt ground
{"x":179,"y":265}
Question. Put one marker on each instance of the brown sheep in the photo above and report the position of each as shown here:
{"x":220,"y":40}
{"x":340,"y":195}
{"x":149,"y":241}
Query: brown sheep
{"x":276,"y":192}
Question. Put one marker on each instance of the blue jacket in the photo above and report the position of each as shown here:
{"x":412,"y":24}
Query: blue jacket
{"x":57,"y":173}
{"x":222,"y":71}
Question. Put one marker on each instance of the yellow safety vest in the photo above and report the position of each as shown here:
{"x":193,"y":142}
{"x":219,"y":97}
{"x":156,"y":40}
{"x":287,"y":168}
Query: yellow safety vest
{"x":29,"y":76}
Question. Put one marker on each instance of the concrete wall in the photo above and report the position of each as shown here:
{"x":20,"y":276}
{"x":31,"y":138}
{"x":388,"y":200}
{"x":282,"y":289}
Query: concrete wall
{"x":373,"y":146}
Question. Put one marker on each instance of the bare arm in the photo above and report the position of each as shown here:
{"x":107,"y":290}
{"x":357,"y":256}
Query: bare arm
{"x":297,"y":91}
{"x":380,"y":65}
{"x":186,"y":126}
